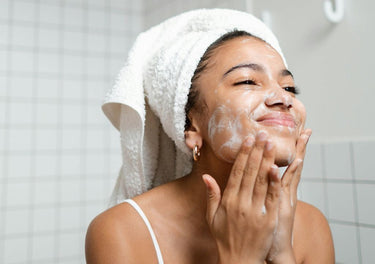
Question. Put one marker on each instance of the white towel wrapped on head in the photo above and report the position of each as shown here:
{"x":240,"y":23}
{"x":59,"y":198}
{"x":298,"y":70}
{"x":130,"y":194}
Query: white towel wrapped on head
{"x":147,"y":103}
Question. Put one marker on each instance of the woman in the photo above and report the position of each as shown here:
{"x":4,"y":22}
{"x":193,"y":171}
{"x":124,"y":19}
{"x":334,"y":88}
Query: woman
{"x":243,"y":121}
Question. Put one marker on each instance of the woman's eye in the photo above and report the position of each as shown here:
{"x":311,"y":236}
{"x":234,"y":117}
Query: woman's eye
{"x":248,"y":82}
{"x":292,"y":89}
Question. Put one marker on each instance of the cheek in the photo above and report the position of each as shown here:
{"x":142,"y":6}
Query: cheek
{"x":227,"y":129}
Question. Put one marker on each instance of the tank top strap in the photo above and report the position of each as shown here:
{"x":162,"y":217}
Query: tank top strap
{"x":151,"y":231}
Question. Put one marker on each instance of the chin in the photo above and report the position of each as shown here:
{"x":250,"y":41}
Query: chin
{"x":285,"y":151}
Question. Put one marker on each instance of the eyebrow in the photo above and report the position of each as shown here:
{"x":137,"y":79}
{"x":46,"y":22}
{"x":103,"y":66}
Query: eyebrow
{"x":256,"y":67}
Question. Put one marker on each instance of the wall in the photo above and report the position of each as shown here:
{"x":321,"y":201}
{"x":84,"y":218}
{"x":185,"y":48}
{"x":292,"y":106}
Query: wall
{"x":59,"y":156}
{"x":332,"y":65}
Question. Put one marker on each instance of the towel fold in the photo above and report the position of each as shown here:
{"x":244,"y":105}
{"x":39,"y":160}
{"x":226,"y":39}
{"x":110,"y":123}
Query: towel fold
{"x":147,"y":102}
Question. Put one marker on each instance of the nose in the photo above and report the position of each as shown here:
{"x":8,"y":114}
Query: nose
{"x":279,"y":97}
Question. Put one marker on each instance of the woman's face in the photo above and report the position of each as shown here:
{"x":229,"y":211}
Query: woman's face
{"x":247,"y":88}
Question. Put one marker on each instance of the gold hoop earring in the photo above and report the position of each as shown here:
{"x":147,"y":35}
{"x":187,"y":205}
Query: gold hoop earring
{"x":196,"y":153}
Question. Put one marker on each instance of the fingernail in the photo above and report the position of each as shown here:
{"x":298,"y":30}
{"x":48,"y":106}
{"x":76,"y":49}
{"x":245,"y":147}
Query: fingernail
{"x":249,"y":141}
{"x":269,"y":145}
{"x":262,"y":135}
{"x":275,"y":168}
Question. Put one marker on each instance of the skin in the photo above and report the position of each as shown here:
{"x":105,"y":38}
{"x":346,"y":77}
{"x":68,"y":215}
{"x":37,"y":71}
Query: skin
{"x":242,"y":211}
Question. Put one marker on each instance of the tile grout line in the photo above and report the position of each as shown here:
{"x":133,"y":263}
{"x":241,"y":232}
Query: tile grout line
{"x":33,"y":134}
{"x":355,"y":199}
{"x":6,"y":134}
{"x":324,"y":180}
{"x":59,"y":134}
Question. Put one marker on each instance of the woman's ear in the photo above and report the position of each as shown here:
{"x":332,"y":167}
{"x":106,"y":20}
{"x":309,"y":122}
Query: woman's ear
{"x":193,"y":135}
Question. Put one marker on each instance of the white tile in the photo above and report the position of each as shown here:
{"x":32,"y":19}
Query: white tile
{"x":45,"y":193}
{"x":4,"y":30}
{"x":340,"y":201}
{"x":4,"y":10}
{"x":96,"y":163}
{"x":43,"y":247}
{"x":363,"y":160}
{"x":70,"y":244}
{"x":119,"y":22}
{"x":22,"y":61}
{"x":49,"y":14}
{"x":23,"y":36}
{"x":17,"y":221}
{"x":47,"y":114}
{"x":367,"y":244}
{"x":49,"y":38}
{"x":46,"y":165}
{"x":92,"y":210}
{"x":20,"y":166}
{"x":24,"y":11}
{"x":18,"y":194}
{"x":70,"y":217}
{"x":96,"y":66}
{"x":21,"y":113}
{"x":3,"y":82}
{"x":70,"y":191}
{"x":95,"y":190}
{"x":44,"y":219}
{"x":95,"y":139}
{"x":120,"y":44}
{"x":47,"y":88}
{"x":72,"y":114}
{"x":46,"y":139}
{"x":338,"y":161}
{"x":115,"y":164}
{"x":70,"y":165}
{"x":96,"y":89}
{"x":97,"y":43}
{"x":22,"y":86}
{"x":313,"y":193}
{"x":15,"y":250}
{"x":97,"y":19}
{"x":366,"y":205}
{"x":345,"y":241}
{"x":73,"y":16}
{"x":73,"y":64}
{"x":71,"y":139}
{"x":49,"y":63}
{"x":95,"y":115}
{"x":114,"y":138}
{"x":72,"y":89}
{"x":4,"y":61}
{"x":73,"y":40}
{"x":3,"y":115}
{"x":312,"y":166}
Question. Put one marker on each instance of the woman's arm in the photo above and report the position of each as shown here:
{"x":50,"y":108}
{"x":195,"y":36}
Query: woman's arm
{"x":118,"y":235}
{"x":318,"y":243}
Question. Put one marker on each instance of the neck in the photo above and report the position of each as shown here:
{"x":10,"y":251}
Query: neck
{"x":192,"y":184}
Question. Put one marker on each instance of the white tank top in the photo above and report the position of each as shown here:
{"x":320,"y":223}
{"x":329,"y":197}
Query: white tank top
{"x":153,"y":237}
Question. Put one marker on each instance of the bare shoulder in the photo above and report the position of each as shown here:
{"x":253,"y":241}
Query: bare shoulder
{"x":118,"y":235}
{"x":313,"y":234}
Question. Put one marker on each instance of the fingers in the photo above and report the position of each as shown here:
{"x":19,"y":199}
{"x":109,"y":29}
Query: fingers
{"x":262,"y":181}
{"x":238,"y":168}
{"x":290,"y":173}
{"x":272,"y":200}
{"x":251,"y":170}
{"x":213,"y":196}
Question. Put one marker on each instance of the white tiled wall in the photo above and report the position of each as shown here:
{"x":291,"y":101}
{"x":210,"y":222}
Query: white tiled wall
{"x":59,"y":156}
{"x":345,"y":193}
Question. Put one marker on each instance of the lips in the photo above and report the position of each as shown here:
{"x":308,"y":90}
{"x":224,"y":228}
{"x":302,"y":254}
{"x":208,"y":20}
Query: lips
{"x":281,"y":119}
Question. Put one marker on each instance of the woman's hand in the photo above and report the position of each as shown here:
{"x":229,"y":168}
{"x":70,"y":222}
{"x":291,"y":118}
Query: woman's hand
{"x":243,"y":220}
{"x":281,"y":250}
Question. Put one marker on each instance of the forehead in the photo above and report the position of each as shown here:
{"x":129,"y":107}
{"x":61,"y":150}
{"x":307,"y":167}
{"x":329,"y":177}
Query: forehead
{"x":246,"y":49}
